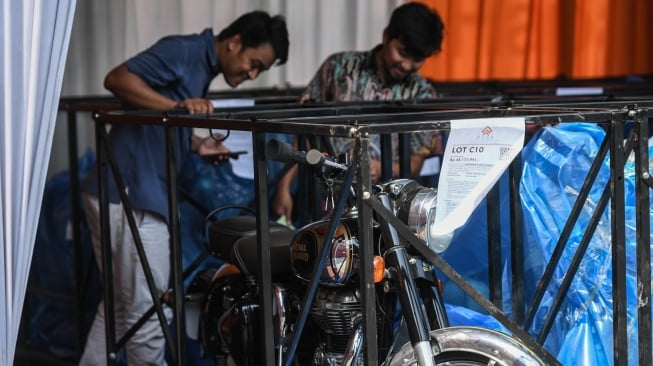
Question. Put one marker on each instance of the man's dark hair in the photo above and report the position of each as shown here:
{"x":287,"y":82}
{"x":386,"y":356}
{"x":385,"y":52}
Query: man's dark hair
{"x":257,"y":28}
{"x":418,"y":27}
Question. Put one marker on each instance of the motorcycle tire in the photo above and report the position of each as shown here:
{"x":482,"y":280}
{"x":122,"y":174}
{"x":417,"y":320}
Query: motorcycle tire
{"x":470,"y":346}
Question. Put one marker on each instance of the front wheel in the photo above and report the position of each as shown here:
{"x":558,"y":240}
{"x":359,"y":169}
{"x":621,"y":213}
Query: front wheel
{"x":470,"y":346}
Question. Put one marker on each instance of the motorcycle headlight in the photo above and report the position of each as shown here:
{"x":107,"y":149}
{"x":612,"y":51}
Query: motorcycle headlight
{"x":342,"y":259}
{"x":416,"y":207}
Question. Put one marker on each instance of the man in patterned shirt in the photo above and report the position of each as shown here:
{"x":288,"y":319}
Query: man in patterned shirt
{"x":387,"y":72}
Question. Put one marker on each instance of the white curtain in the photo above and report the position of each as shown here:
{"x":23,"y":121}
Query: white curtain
{"x":35,"y":38}
{"x":105,"y":33}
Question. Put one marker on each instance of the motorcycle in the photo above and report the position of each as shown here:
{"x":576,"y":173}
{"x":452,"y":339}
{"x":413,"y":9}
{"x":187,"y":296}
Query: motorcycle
{"x":325,"y":327}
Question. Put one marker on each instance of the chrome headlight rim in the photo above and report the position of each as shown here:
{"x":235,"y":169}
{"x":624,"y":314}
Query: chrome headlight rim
{"x":421,"y":215}
{"x":344,"y":249}
{"x":415,"y":205}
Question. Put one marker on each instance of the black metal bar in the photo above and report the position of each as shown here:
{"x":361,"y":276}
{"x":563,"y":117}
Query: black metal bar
{"x":176,"y":266}
{"x":105,"y":238}
{"x":404,"y":155}
{"x":75,"y":222}
{"x":382,"y":122}
{"x":643,"y":238}
{"x":386,"y":157}
{"x":368,"y":292}
{"x":516,"y":242}
{"x":263,"y":248}
{"x":494,"y":245}
{"x":307,"y":197}
{"x":138,"y":243}
{"x":618,"y":219}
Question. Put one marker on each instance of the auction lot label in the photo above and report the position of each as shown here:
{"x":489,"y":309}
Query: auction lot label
{"x":477,"y":153}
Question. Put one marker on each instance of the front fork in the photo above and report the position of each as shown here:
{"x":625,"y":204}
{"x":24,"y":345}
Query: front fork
{"x":416,"y":310}
{"x":403,"y":270}
{"x":421,"y":315}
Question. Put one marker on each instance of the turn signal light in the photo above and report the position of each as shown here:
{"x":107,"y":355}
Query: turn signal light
{"x":379,"y":268}
{"x":440,"y":285}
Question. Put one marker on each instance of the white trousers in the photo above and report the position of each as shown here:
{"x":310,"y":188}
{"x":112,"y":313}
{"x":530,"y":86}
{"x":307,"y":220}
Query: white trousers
{"x":132,"y":297}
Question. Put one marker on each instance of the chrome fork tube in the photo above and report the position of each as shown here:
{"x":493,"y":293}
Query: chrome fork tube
{"x":355,"y":345}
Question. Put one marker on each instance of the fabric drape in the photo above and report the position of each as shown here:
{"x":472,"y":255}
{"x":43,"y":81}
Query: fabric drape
{"x":541,"y":39}
{"x":33,"y":51}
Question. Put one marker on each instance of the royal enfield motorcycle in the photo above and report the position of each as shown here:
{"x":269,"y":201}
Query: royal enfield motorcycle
{"x":412,"y":323}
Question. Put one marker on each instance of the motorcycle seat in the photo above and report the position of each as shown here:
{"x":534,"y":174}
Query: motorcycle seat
{"x":234,"y":239}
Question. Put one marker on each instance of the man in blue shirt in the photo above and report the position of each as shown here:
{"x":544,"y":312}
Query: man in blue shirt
{"x":173,"y":73}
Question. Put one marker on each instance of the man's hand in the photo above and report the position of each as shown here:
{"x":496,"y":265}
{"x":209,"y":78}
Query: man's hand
{"x":282,"y":203}
{"x":208,"y":148}
{"x":196,"y":106}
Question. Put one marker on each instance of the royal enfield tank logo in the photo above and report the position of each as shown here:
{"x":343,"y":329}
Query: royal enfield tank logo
{"x":303,"y":252}
{"x":300,"y":252}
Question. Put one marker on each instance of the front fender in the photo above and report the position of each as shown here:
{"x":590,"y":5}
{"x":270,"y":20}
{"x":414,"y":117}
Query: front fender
{"x":474,"y":344}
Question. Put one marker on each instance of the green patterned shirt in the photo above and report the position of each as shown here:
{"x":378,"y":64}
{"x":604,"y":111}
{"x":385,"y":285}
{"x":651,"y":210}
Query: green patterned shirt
{"x":353,"y":76}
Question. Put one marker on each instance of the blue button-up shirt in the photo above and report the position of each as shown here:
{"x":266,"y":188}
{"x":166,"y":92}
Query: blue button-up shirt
{"x":179,"y":67}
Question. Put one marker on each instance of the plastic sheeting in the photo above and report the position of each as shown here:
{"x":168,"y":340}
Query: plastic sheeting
{"x":555,"y":166}
{"x":51,"y":312}
{"x":468,"y":252}
{"x":462,"y":316}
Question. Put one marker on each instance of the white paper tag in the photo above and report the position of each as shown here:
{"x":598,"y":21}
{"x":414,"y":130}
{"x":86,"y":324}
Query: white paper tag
{"x":478,"y":151}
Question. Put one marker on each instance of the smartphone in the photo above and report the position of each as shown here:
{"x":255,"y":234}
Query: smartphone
{"x":230,"y":154}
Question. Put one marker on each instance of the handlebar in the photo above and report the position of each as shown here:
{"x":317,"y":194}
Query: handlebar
{"x":283,"y":152}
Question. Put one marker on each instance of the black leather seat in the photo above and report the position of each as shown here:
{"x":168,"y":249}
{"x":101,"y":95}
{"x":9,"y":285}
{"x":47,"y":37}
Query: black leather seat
{"x":234,"y":239}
